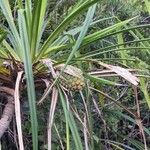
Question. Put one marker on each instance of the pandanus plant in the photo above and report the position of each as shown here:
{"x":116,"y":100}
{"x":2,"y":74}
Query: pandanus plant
{"x":29,"y":61}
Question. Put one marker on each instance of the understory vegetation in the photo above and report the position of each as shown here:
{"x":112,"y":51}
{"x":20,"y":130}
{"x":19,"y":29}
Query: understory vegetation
{"x":74,"y":75}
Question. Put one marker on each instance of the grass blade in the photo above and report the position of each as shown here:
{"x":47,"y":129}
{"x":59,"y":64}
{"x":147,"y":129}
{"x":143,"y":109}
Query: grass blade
{"x":145,"y":91}
{"x":147,"y":3}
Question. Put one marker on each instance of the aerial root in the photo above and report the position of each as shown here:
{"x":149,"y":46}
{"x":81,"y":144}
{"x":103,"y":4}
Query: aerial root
{"x":8,"y":110}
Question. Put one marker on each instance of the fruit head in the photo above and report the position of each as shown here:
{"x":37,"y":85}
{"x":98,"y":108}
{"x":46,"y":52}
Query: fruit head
{"x":72,"y":78}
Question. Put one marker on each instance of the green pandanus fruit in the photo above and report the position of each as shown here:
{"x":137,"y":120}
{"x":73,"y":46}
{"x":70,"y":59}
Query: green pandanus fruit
{"x":72,"y":78}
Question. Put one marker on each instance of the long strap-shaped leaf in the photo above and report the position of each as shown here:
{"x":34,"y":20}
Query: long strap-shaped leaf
{"x":29,"y":77}
{"x":70,"y":120}
{"x":28,"y":15}
{"x":104,"y":33}
{"x":51,"y":116}
{"x":98,"y":34}
{"x":37,"y":23}
{"x":17,"y":110}
{"x":72,"y":32}
{"x":83,"y":32}
{"x":76,"y":12}
{"x":5,"y":6}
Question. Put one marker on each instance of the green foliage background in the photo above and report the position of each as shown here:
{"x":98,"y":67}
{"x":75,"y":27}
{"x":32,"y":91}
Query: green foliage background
{"x":108,"y":125}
